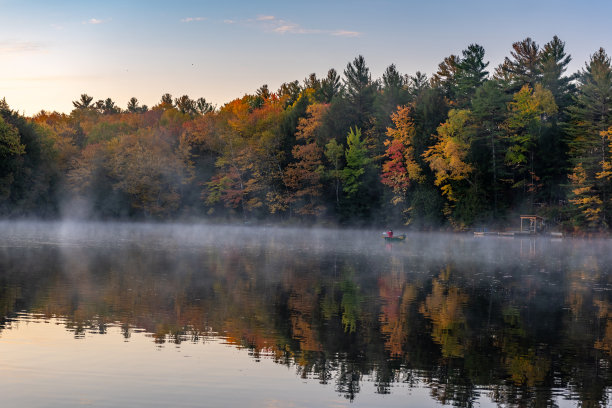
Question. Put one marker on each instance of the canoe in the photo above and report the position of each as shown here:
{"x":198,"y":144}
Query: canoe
{"x":397,"y":238}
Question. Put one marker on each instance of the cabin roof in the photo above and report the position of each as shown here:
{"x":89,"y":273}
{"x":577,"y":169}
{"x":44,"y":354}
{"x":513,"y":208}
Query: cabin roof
{"x":537,"y":217}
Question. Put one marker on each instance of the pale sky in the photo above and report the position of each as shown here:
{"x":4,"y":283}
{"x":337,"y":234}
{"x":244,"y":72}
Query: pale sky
{"x":52,"y":51}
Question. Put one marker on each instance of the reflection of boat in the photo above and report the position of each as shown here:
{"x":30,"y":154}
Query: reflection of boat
{"x":395,"y":238}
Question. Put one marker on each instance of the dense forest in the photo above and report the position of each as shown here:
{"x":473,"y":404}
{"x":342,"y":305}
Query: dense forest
{"x":463,"y":148}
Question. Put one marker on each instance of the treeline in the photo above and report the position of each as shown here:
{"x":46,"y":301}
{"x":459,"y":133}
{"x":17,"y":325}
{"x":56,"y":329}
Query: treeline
{"x":465,"y":147}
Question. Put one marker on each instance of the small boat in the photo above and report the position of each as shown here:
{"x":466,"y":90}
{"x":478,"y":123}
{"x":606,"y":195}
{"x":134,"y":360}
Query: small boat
{"x":395,"y":238}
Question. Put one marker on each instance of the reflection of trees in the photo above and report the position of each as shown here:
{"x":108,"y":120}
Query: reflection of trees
{"x":512,"y":336}
{"x":397,"y":297}
{"x":444,"y":307}
{"x":586,"y":331}
{"x":525,"y":363}
{"x":351,"y":302}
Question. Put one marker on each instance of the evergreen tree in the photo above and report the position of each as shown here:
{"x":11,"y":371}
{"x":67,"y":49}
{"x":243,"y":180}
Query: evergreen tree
{"x":203,"y":107}
{"x":186,"y":105}
{"x":132,"y":105}
{"x":165,"y":103}
{"x":416,"y":84}
{"x":393,"y":85}
{"x":361,"y":183}
{"x":360,"y":92}
{"x":590,"y":118}
{"x":393,"y":94}
{"x":330,"y":86}
{"x":289,"y":92}
{"x":523,"y":68}
{"x":553,"y":64}
{"x":107,"y":107}
{"x":313,"y":82}
{"x":334,"y":153}
{"x":446,"y":77}
{"x":84,"y":102}
{"x":552,"y":150}
{"x":489,"y":109}
{"x":263,"y":92}
{"x":356,"y":162}
{"x":470,"y":74}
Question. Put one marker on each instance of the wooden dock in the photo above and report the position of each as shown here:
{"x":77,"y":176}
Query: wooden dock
{"x":531,"y":226}
{"x":517,"y":234}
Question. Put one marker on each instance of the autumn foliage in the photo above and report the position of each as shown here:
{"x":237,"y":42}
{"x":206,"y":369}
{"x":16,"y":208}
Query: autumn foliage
{"x":464,"y":148}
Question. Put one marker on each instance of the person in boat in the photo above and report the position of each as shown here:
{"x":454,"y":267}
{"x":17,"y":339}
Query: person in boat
{"x":390,"y":233}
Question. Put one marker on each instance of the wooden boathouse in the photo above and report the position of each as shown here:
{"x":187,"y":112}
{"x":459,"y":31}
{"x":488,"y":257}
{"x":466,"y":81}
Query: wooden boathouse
{"x":532,"y":225}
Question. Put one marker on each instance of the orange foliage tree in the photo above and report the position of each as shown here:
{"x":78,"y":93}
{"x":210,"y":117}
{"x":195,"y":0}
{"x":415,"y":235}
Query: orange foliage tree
{"x":400,"y":169}
{"x":249,"y":170}
{"x":303,"y":177}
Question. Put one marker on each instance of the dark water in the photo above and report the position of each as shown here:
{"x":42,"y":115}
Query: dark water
{"x":195,"y":316}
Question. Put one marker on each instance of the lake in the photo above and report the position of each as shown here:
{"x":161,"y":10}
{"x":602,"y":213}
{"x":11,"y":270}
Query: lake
{"x":146,"y":315}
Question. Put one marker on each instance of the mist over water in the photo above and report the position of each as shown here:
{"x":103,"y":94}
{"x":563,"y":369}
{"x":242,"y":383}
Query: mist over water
{"x":438,"y":319}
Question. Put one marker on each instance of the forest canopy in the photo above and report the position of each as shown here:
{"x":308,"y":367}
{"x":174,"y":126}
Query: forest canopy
{"x":468,"y":146}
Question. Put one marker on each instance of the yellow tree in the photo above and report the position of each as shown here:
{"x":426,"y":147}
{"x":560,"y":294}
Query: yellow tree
{"x":585,"y":197}
{"x":449,"y":157}
{"x":528,"y":115}
{"x":265,"y":156}
{"x":150,"y":171}
{"x":227,"y":186}
{"x":606,"y":162}
{"x":586,"y":191}
{"x":85,"y":167}
{"x":58,"y":128}
{"x":249,"y":170}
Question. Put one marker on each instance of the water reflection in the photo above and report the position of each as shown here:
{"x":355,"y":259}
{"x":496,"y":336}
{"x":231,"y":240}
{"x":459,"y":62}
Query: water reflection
{"x":519,"y":322}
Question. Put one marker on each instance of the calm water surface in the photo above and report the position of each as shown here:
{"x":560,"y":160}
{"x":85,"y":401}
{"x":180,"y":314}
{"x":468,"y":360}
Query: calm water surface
{"x":124,"y":315}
